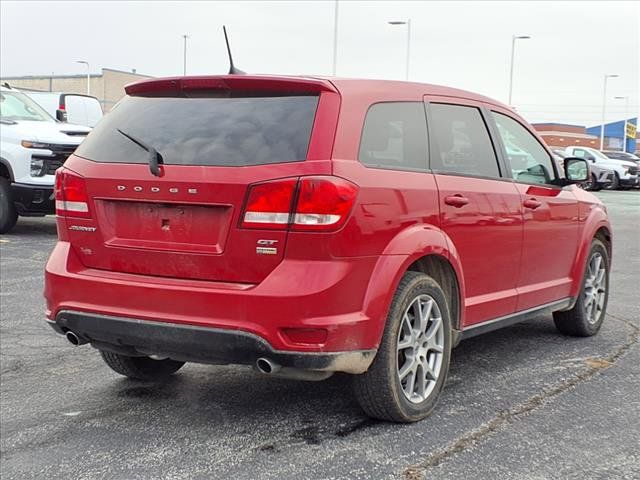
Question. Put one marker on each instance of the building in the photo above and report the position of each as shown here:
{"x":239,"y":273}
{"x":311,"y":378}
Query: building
{"x":107,"y":86}
{"x":613,"y":135}
{"x":562,"y":135}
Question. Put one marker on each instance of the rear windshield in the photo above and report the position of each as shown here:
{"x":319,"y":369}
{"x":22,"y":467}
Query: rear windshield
{"x":224,"y":131}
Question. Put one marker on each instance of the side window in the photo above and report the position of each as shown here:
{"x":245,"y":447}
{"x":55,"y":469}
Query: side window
{"x":578,"y":152}
{"x":529,"y":161}
{"x":395,"y":136}
{"x":461,"y":140}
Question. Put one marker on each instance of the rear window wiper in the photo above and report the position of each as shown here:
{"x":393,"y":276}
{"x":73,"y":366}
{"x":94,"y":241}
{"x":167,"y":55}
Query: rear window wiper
{"x":154,"y":156}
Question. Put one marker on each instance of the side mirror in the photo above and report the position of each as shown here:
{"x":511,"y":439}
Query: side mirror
{"x":61,"y":115}
{"x":576,"y":170}
{"x":591,"y":158}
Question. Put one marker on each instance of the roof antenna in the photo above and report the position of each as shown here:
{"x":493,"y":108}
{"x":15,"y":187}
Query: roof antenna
{"x":232,"y":68}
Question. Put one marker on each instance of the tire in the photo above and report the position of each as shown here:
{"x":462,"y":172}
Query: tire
{"x":589,"y":184}
{"x":8,"y":213}
{"x":615,"y":182}
{"x":140,"y":368}
{"x":595,"y":186}
{"x":380,"y":391}
{"x":587,"y":315}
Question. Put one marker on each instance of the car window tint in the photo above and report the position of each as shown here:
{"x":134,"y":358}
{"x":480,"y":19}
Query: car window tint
{"x":395,"y":136}
{"x":528,"y":160}
{"x":216,"y":129}
{"x":461,"y":141}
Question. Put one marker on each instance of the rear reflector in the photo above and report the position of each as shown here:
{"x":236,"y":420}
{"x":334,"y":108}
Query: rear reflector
{"x":322,"y":203}
{"x":71,"y":194}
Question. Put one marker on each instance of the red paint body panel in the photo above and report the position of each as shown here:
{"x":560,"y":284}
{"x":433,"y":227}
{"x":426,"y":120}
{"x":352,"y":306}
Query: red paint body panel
{"x":182,"y":257}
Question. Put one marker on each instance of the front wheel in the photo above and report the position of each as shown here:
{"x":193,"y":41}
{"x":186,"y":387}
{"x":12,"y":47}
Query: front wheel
{"x":587,"y":315}
{"x":411,"y":366}
{"x":140,"y":368}
{"x":615,"y":182}
{"x":8,"y":213}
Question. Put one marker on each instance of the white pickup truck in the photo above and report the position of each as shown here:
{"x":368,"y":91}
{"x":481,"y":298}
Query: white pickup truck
{"x":33,"y":145}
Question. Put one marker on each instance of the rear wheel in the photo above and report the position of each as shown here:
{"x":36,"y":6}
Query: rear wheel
{"x":140,"y":368}
{"x":8,"y":213}
{"x":411,"y":366}
{"x":587,"y":315}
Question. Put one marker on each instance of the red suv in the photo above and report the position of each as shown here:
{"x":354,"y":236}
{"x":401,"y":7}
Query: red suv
{"x":308,"y":226}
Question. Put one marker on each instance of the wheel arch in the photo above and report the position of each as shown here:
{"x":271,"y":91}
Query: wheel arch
{"x":5,"y":170}
{"x":596,"y":227}
{"x":420,"y":248}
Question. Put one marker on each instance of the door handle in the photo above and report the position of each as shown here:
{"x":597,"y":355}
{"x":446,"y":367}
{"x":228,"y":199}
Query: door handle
{"x":456,"y":200}
{"x":531,"y":203}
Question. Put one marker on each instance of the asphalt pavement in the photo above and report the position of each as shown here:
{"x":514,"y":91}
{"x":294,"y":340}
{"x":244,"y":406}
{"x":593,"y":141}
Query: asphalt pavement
{"x":523,"y":403}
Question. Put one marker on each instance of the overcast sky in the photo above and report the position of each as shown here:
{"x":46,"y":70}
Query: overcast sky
{"x":558,"y":72}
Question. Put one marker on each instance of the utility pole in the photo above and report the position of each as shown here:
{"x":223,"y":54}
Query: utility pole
{"x":184,"y":55}
{"x":335,"y":38}
{"x":604,"y":105}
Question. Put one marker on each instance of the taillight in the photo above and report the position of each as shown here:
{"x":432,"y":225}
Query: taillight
{"x":305,"y":204}
{"x":71,"y":195}
{"x":269,"y":204}
{"x":323,"y":203}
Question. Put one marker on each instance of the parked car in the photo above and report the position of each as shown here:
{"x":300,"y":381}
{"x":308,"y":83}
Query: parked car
{"x":599,"y":176}
{"x":309,"y":226}
{"x":625,"y":172}
{"x":73,"y":108}
{"x":32,"y":146}
{"x":617,"y":155}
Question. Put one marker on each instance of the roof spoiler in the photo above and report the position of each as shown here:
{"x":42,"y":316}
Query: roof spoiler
{"x":261,"y":83}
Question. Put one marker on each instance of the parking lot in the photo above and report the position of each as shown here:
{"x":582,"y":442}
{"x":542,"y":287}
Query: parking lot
{"x":523,"y":402}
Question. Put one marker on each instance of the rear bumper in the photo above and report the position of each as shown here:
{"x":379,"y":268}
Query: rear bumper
{"x":298,"y":295}
{"x":33,"y":200}
{"x":198,"y":344}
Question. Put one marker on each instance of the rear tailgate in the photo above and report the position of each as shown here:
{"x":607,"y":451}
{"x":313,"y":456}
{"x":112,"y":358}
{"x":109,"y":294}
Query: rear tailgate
{"x":186,"y":222}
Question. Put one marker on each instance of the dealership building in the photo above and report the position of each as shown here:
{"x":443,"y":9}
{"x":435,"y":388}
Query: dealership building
{"x":561,"y":135}
{"x":108,"y":86}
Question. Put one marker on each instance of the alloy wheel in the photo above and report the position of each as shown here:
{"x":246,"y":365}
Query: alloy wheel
{"x":420,"y":348}
{"x":595,"y":288}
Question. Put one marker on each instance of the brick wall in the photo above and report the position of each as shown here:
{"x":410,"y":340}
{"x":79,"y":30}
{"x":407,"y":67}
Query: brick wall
{"x":561,"y":141}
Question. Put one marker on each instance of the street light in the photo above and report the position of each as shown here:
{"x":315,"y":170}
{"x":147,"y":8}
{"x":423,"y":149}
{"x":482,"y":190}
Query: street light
{"x":513,"y":52}
{"x":335,"y":38}
{"x":624,"y":127}
{"x":88,"y":74}
{"x":408,"y":24}
{"x":604,"y":104}
{"x":184,"y":56}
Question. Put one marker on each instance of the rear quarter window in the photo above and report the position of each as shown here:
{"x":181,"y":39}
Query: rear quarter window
{"x":208,"y":130}
{"x":394,"y":136}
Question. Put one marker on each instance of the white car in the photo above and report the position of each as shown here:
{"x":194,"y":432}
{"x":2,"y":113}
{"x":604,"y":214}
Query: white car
{"x":32,"y":147}
{"x":625,"y":172}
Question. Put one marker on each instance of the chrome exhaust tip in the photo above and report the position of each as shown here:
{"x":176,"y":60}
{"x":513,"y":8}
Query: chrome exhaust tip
{"x":266,"y":366}
{"x":74,"y":339}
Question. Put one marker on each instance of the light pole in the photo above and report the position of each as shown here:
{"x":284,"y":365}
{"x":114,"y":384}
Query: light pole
{"x":604,"y":104}
{"x":513,"y":53}
{"x":624,"y":127}
{"x":408,"y":24}
{"x":184,"y":55}
{"x":88,"y":75}
{"x":335,"y":38}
